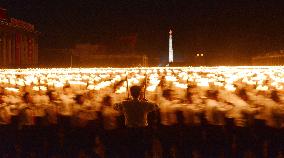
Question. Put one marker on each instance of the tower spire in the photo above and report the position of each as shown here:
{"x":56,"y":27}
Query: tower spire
{"x":171,"y":51}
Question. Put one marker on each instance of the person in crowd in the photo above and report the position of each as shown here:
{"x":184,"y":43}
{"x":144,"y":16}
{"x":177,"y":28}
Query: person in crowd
{"x":192,"y":135}
{"x":13,"y":101}
{"x":262,"y":104}
{"x":110,"y":134}
{"x":215,"y":134}
{"x":274,"y":122}
{"x":26,"y":125}
{"x":40,"y":102}
{"x":5,"y":116}
{"x":67,"y":99}
{"x":244,"y":117}
{"x":52,"y":134}
{"x":65,"y":113}
{"x":168,"y":123}
{"x":6,"y":145}
{"x":76,"y":138}
{"x":135,"y":112}
{"x":52,"y":109}
{"x":91,"y":110}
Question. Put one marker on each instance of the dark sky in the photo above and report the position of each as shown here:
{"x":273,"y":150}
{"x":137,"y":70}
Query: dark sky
{"x":224,"y":27}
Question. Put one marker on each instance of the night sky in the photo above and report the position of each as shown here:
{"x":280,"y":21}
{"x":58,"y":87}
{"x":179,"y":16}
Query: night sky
{"x":223,"y":27}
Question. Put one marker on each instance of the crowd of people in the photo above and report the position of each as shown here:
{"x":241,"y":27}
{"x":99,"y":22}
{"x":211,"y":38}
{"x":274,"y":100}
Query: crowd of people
{"x":137,"y":113}
{"x":218,"y":123}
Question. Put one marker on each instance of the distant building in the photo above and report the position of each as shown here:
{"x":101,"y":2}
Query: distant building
{"x":97,"y":55}
{"x":105,"y":60}
{"x":18,"y":42}
{"x":275,"y":58}
{"x":93,"y":55}
{"x":87,"y":49}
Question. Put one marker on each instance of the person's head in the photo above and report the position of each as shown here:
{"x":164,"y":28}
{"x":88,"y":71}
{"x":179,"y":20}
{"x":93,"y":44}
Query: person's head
{"x":167,"y":94}
{"x":2,"y":90}
{"x":106,"y":100}
{"x":79,"y":99}
{"x":189,"y":96}
{"x":40,"y":92}
{"x":243,"y":94}
{"x":1,"y":98}
{"x":27,"y":98}
{"x":135,"y":91}
{"x":212,"y":94}
{"x":51,"y":95}
{"x":91,"y":94}
{"x":274,"y":96}
{"x":67,"y":89}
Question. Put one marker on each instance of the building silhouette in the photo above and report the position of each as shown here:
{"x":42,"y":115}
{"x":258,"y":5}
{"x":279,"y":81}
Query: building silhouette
{"x":93,"y":55}
{"x":275,"y":58}
{"x":18,"y":42}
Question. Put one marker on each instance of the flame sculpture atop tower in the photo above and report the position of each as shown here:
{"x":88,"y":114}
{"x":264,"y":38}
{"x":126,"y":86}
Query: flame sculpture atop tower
{"x":171,"y":51}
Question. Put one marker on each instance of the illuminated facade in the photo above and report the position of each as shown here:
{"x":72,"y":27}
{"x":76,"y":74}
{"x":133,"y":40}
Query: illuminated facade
{"x":18,"y":42}
{"x":171,"y":51}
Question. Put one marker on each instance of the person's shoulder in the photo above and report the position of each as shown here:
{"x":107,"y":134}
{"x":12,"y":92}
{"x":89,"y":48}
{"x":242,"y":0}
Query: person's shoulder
{"x":148,"y":103}
{"x":127,"y":101}
{"x":123,"y":103}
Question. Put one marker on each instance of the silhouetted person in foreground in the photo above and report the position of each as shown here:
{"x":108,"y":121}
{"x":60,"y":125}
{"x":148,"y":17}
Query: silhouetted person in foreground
{"x":135,"y":112}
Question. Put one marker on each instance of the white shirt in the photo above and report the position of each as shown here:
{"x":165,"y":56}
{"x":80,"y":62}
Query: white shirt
{"x":109,"y":118}
{"x":4,"y":114}
{"x":215,"y":112}
{"x":67,"y":105}
{"x":168,"y":112}
{"x":190,"y":113}
{"x":274,"y":114}
{"x":40,"y":103}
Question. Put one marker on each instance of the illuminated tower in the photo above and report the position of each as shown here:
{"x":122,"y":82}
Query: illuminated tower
{"x":171,"y":51}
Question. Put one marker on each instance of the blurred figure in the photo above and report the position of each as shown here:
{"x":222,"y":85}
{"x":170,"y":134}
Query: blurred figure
{"x":91,"y":109}
{"x":77,"y":139}
{"x":82,"y":136}
{"x":191,"y":136}
{"x":65,"y":109}
{"x":64,"y":120}
{"x":5,"y":116}
{"x":26,"y":112}
{"x":262,"y":105}
{"x":52,"y":134}
{"x":275,"y":120}
{"x":52,"y":108}
{"x":168,"y":124}
{"x":215,"y":134}
{"x":111,"y":132}
{"x":6,"y":146}
{"x":135,"y":112}
{"x":40,"y":102}
{"x":26,"y":125}
{"x":67,"y":101}
{"x":244,"y":118}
